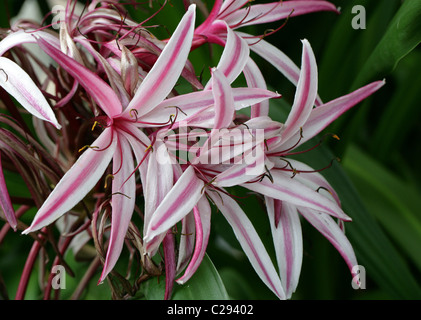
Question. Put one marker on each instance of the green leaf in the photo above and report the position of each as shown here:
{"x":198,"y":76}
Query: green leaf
{"x":346,"y":49}
{"x":238,"y":286}
{"x":345,"y":56}
{"x":384,"y":264}
{"x":397,"y":119}
{"x":401,"y":37}
{"x":15,"y":184}
{"x":395,"y":204}
{"x":206,"y":284}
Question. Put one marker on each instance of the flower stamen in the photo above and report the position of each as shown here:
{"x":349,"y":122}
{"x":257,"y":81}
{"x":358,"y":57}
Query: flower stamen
{"x":150,"y":147}
{"x":135,"y":112}
{"x":120,"y":193}
{"x":94,"y":125}
{"x":323,"y":188}
{"x":109,"y":176}
{"x":88,"y":146}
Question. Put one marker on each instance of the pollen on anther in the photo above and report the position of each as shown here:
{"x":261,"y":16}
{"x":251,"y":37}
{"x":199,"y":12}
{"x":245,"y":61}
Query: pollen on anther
{"x":94,"y":125}
{"x":149,"y":148}
{"x":87,"y":146}
{"x":106,"y":180}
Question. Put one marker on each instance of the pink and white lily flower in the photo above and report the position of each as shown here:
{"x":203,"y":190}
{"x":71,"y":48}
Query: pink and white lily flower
{"x":119,"y":138}
{"x":122,"y":140}
{"x":146,"y":129}
{"x":292,"y":187}
{"x":285,"y":197}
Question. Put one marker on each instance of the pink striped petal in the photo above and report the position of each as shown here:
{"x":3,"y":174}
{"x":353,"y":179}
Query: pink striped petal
{"x":93,"y":13}
{"x":202,"y":215}
{"x":332,"y":232}
{"x":122,"y":203}
{"x":178,"y":203}
{"x":254,"y":164}
{"x":290,"y":190}
{"x":255,"y":79}
{"x":68,"y":46}
{"x":287,"y":240}
{"x":270,"y":12}
{"x":148,"y":44}
{"x":230,"y":6}
{"x":19,"y":85}
{"x":77,"y":182}
{"x":192,"y":104}
{"x":250,"y":241}
{"x":325,"y":114}
{"x":100,"y":91}
{"x":305,"y":94}
{"x":26,"y":36}
{"x":202,"y":119}
{"x":187,"y":240}
{"x":5,"y":202}
{"x":167,"y":69}
{"x":276,"y":58}
{"x":226,"y":144}
{"x":245,"y":97}
{"x":188,"y":105}
{"x":224,"y":100}
{"x":234,"y":57}
{"x":139,"y":143}
{"x":134,"y":134}
{"x":159,"y":180}
{"x":271,"y":128}
{"x":141,"y":158}
{"x":308,"y":176}
{"x":211,"y":17}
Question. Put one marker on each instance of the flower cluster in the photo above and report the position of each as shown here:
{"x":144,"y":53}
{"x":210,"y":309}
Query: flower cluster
{"x":116,"y":134}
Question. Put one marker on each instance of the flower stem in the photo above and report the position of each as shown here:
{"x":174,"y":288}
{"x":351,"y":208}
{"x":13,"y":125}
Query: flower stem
{"x":93,"y":267}
{"x":29,"y":264}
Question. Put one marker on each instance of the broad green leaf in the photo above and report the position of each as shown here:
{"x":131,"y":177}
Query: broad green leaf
{"x":401,"y":37}
{"x":347,"y":49}
{"x":395,"y":204}
{"x":15,"y":184}
{"x":383,"y":262}
{"x":206,"y":284}
{"x":238,"y":286}
{"x":401,"y":114}
{"x":345,"y":55}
